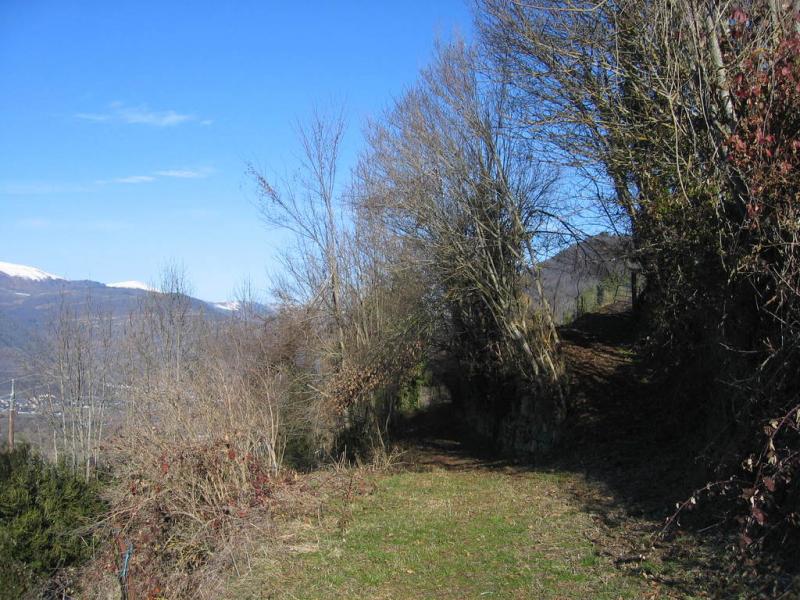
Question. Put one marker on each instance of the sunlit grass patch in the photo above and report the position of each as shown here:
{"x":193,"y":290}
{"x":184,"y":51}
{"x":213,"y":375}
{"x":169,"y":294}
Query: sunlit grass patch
{"x":449,"y":534}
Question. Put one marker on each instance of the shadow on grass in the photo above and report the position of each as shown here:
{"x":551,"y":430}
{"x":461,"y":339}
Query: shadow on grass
{"x":635,"y":454}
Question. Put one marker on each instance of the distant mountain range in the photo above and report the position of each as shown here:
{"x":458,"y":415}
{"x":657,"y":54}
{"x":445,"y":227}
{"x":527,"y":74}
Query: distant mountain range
{"x":30,"y":301}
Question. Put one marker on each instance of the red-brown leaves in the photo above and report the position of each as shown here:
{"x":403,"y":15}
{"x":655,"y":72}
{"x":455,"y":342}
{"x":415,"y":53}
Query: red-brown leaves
{"x":739,"y":16}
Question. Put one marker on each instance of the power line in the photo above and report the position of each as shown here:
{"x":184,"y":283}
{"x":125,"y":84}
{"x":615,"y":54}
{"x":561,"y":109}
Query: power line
{"x":17,"y":378}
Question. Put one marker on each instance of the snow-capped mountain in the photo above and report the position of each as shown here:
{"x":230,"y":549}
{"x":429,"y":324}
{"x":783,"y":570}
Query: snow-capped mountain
{"x":23,"y":272}
{"x":228,"y":306}
{"x":132,"y":285}
{"x":31,"y":300}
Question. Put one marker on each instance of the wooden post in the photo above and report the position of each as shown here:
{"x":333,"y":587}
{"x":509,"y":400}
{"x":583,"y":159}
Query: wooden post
{"x":601,"y":295}
{"x":11,"y":408}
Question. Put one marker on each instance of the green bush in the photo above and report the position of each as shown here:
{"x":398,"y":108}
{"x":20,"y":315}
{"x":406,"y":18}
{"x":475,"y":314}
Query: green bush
{"x":44,"y":513}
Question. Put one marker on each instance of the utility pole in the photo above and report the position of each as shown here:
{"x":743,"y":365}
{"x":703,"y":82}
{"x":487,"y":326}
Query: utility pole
{"x":11,"y":408}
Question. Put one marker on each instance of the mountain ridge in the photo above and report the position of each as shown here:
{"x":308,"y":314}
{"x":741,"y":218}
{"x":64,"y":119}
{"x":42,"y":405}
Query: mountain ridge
{"x":31,"y":300}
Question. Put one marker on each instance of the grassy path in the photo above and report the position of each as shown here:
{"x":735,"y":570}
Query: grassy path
{"x":459,"y":531}
{"x":447,"y":525}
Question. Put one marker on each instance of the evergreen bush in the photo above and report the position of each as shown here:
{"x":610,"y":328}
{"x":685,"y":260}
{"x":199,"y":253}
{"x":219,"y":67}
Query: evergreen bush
{"x":44,"y":513}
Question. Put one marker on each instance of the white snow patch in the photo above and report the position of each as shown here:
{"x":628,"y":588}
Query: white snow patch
{"x":234,"y":305}
{"x":23,"y":272}
{"x":132,"y":285}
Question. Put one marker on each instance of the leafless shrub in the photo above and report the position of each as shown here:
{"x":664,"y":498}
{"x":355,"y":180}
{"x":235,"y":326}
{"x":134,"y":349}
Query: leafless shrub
{"x":202,"y":442}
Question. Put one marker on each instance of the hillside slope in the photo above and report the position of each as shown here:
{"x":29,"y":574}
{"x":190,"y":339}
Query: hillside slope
{"x":571,"y":276}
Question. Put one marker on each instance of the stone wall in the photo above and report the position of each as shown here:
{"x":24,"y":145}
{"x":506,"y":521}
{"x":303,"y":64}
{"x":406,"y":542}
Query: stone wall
{"x":513,"y":419}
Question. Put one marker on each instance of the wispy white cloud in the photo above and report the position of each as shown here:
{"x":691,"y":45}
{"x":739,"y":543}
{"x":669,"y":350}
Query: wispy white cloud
{"x":131,"y":179}
{"x":103,"y":225}
{"x":93,"y":117}
{"x":27,"y":188}
{"x":139,"y":115}
{"x":144,"y":116}
{"x":134,"y":179}
{"x":33,"y":223}
{"x":185,"y":173}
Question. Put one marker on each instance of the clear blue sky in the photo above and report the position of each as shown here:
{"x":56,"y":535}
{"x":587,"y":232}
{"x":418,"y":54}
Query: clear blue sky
{"x":126,"y":127}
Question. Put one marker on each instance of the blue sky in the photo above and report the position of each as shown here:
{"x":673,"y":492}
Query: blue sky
{"x":126,"y":127}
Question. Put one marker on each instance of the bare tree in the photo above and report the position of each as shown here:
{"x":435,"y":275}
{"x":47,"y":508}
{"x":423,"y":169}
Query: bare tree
{"x":467,"y":197}
{"x":162,"y":332}
{"x":308,"y":206}
{"x":686,"y":111}
{"x":470,"y":204}
{"x":79,"y":362}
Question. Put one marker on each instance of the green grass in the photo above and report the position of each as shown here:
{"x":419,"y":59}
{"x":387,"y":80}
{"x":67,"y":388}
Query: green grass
{"x":446,"y":534}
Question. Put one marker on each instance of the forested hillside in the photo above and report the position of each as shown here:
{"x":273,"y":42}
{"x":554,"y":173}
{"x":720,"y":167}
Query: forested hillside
{"x":587,"y":275}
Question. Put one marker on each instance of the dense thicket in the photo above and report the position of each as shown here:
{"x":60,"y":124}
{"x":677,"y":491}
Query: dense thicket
{"x":686,"y":112}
